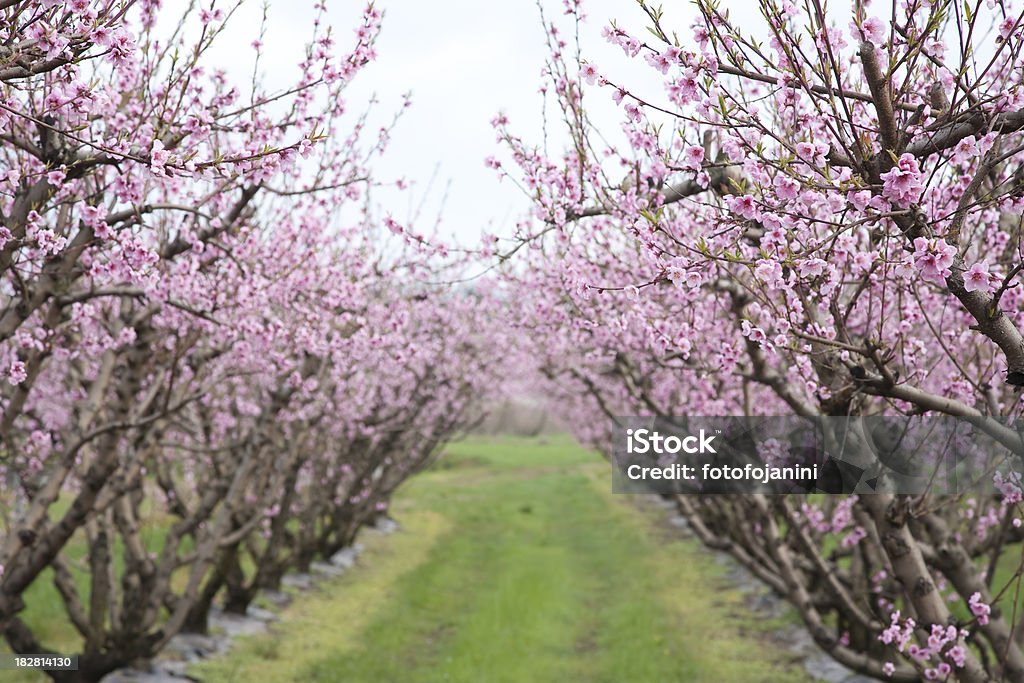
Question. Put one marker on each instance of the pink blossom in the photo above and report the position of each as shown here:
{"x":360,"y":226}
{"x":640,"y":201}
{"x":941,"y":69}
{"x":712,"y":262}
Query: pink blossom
{"x":874,"y":30}
{"x":675,"y":270}
{"x":158,"y":155}
{"x":634,"y":112}
{"x":979,"y":609}
{"x":977,"y":278}
{"x":769,"y":272}
{"x":859,"y":199}
{"x":786,"y":187}
{"x":965,"y":151}
{"x":753,"y":333}
{"x":49,"y":242}
{"x":806,"y":151}
{"x":683,"y":89}
{"x":854,"y":537}
{"x":958,"y":655}
{"x":1006,"y":27}
{"x":902,"y":184}
{"x":744,"y":205}
{"x":17,"y":373}
{"x":693,"y":158}
{"x":1009,"y":486}
{"x":898,"y":634}
{"x":102,"y":36}
{"x":56,"y":178}
{"x":933,"y":258}
{"x":662,"y":61}
{"x":589,"y":72}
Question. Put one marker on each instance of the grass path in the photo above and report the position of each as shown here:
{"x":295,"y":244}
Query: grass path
{"x":515,"y":563}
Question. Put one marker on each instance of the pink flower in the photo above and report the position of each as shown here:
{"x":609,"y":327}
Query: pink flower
{"x":693,"y":158}
{"x":17,"y":373}
{"x":49,"y":242}
{"x":675,"y":270}
{"x":744,"y":206}
{"x":979,"y":608}
{"x":812,"y":267}
{"x":902,"y":184}
{"x":663,"y":61}
{"x":158,"y":155}
{"x":854,"y":537}
{"x":1009,"y":486}
{"x":805,"y":151}
{"x":122,"y":48}
{"x":874,"y":30}
{"x":811,"y":153}
{"x":933,"y":258}
{"x":684,"y":88}
{"x":897,"y":634}
{"x":102,"y":36}
{"x":888,"y":668}
{"x":754,"y":334}
{"x":589,"y":72}
{"x":977,"y":278}
{"x":957,"y":655}
{"x":1006,"y":27}
{"x":786,"y":187}
{"x":769,"y":272}
{"x":634,"y":112}
{"x":965,"y":150}
{"x":859,"y":199}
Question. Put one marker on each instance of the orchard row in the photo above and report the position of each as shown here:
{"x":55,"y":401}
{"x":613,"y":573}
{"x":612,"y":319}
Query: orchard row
{"x":216,"y":367}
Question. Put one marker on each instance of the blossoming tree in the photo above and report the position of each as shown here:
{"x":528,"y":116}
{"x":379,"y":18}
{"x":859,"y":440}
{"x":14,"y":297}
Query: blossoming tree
{"x":819,"y":218}
{"x":198,"y":350}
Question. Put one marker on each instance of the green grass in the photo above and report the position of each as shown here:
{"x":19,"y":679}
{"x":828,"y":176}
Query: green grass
{"x":515,"y":563}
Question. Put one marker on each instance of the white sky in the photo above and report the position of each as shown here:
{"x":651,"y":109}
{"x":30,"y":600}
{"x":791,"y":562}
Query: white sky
{"x":463,"y":61}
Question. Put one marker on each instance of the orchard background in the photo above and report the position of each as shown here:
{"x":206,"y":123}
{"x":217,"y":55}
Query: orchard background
{"x":211,"y":324}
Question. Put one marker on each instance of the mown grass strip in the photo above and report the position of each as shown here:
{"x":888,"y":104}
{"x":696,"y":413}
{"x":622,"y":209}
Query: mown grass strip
{"x":331,"y":617}
{"x":541,"y":576}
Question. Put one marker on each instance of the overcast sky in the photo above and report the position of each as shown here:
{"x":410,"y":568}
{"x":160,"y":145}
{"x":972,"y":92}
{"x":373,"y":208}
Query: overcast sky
{"x":463,"y":61}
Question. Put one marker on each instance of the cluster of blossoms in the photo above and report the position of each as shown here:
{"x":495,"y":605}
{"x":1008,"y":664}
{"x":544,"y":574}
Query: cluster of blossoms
{"x":902,"y":184}
{"x":943,"y":643}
